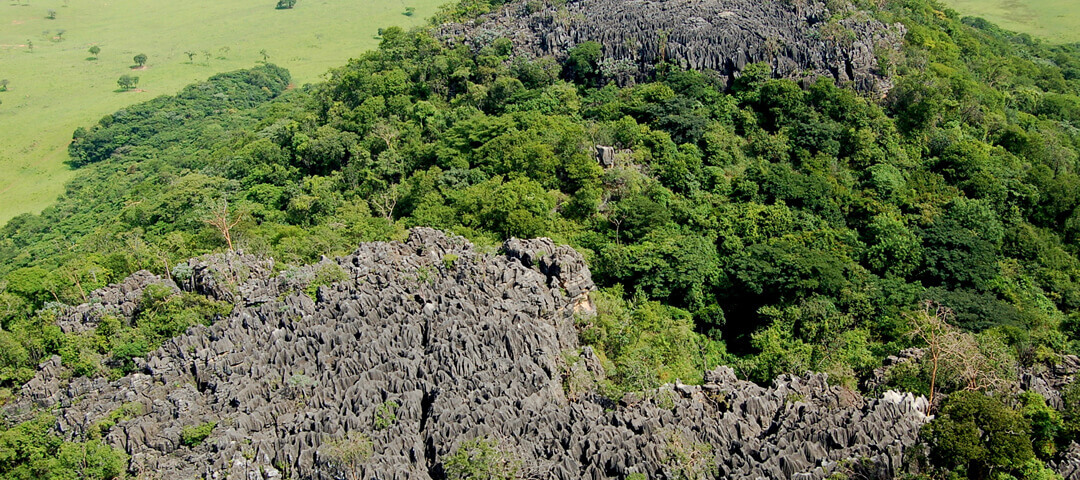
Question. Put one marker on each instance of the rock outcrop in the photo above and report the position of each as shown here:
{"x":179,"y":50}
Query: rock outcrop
{"x":797,"y":38}
{"x":427,"y":344}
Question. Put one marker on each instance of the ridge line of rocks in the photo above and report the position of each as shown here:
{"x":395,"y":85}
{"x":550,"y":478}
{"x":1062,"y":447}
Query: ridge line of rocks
{"x":457,"y":345}
{"x":798,"y":39}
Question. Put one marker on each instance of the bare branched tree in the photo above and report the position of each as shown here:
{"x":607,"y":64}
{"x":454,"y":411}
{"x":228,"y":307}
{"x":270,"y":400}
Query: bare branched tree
{"x":385,"y":202}
{"x":957,"y":356}
{"x":223,"y":222}
{"x":932,"y":326}
{"x":386,"y":132}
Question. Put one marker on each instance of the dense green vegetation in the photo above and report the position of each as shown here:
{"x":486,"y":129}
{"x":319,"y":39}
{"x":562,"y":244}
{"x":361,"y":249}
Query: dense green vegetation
{"x":60,"y":61}
{"x":772,"y":226}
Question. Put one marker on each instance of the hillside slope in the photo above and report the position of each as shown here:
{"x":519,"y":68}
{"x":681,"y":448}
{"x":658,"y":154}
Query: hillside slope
{"x":778,"y":226}
{"x":422,"y":347}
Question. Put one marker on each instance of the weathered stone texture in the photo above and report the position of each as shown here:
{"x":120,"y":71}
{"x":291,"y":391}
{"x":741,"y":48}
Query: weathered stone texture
{"x":798,"y":38}
{"x":468,"y":346}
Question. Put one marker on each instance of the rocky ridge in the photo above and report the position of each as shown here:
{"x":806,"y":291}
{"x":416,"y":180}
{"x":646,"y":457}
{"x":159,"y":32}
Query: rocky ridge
{"x":796,"y":38}
{"x":467,"y":345}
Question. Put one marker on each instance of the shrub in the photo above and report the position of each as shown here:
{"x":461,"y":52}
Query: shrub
{"x":349,"y":452}
{"x":978,"y":434}
{"x":126,"y":411}
{"x":385,"y":415}
{"x":327,"y":274}
{"x":481,"y":458}
{"x":448,"y":261}
{"x":193,"y":435}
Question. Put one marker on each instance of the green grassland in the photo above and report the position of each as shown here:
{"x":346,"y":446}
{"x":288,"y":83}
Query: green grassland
{"x":1057,"y":21}
{"x":56,"y":87}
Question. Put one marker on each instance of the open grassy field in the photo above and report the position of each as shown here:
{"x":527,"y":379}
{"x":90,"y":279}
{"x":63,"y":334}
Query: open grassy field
{"x":54,"y":87}
{"x":1057,"y":21}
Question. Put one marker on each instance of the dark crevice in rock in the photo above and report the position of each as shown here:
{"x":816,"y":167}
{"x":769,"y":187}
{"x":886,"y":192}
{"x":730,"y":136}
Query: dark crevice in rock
{"x":796,"y":41}
{"x":477,"y":353}
{"x":430,"y":458}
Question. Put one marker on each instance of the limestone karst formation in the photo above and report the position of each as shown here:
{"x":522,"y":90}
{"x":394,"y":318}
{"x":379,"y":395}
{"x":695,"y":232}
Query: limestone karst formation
{"x":468,"y":345}
{"x":797,"y":38}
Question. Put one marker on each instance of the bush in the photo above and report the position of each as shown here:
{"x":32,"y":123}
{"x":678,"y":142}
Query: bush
{"x":126,"y":412}
{"x":480,"y":458}
{"x":385,"y":415}
{"x":977,"y":434}
{"x":348,"y":453}
{"x":326,"y":274}
{"x":193,"y":435}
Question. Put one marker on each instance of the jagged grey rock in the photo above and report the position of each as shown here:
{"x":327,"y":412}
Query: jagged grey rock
{"x":120,"y":299}
{"x":605,"y":156}
{"x":797,"y":38}
{"x":467,"y":344}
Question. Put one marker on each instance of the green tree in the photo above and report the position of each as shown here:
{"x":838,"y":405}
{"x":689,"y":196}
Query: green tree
{"x":94,"y":51}
{"x":140,"y":59}
{"x":4,"y":85}
{"x":127,"y":82}
{"x":1046,"y":424}
{"x":962,"y":245}
{"x":978,"y":435}
{"x":285,"y":4}
{"x":583,"y":64}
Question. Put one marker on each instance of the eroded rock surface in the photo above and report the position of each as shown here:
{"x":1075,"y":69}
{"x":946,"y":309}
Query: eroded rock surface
{"x":796,"y":38}
{"x":467,"y":345}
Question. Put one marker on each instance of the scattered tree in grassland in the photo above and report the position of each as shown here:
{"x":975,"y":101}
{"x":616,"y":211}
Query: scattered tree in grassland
{"x":285,"y":4}
{"x":127,"y":82}
{"x":140,"y":59}
{"x":94,"y":51}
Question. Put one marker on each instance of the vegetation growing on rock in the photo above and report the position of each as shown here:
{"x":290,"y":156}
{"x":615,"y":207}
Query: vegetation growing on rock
{"x":777,"y":226}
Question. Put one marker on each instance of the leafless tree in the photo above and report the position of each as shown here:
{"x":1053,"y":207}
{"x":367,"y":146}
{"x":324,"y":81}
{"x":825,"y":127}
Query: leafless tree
{"x":932,"y":326}
{"x":224,"y":222}
{"x":957,"y":356}
{"x":386,"y":202}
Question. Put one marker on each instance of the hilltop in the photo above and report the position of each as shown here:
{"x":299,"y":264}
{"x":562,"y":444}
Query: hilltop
{"x":795,"y":39}
{"x":740,"y":226}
